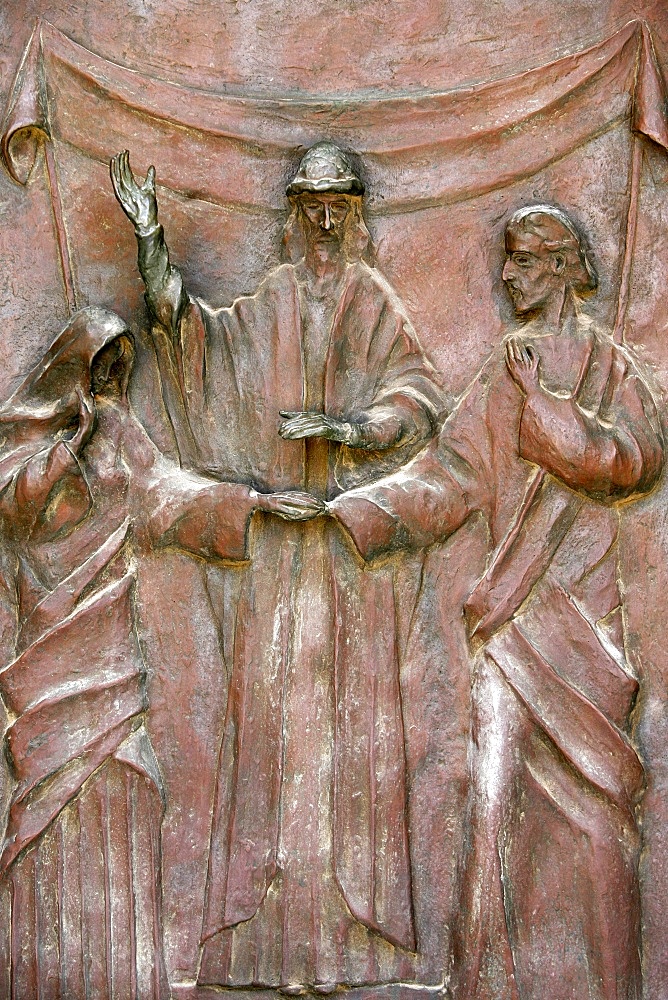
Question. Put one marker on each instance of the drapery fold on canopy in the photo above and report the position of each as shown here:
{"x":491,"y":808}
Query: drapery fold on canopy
{"x":418,"y":150}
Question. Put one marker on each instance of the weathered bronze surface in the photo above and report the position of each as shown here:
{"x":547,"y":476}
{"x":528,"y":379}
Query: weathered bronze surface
{"x":332,"y":501}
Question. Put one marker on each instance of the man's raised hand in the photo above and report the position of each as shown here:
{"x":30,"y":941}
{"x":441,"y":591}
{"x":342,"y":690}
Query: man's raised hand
{"x":138,"y":201}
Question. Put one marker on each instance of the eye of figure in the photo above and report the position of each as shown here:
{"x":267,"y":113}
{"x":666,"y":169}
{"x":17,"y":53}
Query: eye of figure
{"x":338,"y":209}
{"x":315,"y":208}
{"x":523,"y":259}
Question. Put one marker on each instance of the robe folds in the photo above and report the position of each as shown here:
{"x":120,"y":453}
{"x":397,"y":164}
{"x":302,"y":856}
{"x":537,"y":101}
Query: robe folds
{"x":550,"y":866}
{"x":309,"y":837}
{"x":82,"y":847}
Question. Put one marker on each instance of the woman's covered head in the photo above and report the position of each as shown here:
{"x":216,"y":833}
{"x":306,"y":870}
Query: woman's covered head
{"x":93,"y":354}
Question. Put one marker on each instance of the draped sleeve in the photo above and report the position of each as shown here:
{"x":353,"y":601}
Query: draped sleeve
{"x":612,"y":452}
{"x":203,"y":517}
{"x":428,"y":499}
{"x":47,"y":495}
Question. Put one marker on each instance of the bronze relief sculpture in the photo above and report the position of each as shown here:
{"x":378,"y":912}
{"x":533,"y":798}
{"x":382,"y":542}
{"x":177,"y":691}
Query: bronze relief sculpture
{"x":557,"y":430}
{"x":322,"y":665}
{"x":325,"y":344}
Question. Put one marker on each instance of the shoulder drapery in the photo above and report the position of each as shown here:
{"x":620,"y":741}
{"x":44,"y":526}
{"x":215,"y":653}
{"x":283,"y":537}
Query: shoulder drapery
{"x":610,"y":453}
{"x":445,"y":146}
{"x":69,"y":720}
{"x":238,"y":366}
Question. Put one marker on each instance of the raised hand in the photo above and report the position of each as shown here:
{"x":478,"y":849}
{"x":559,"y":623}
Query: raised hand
{"x":138,"y":201}
{"x":523,"y":364}
{"x":291,"y":505}
{"x":306,"y":425}
{"x":86,"y":421}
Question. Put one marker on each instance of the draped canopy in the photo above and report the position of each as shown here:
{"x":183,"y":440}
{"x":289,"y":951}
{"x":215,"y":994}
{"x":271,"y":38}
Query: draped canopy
{"x":417,"y":149}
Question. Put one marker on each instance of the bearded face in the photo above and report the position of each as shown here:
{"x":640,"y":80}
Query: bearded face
{"x":533,"y":275}
{"x":324,"y":218}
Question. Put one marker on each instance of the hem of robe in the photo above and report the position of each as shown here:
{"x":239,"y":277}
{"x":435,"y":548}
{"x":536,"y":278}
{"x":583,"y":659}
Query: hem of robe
{"x":85,"y":908}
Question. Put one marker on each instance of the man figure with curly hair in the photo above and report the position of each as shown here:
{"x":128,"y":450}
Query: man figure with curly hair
{"x":555,"y":433}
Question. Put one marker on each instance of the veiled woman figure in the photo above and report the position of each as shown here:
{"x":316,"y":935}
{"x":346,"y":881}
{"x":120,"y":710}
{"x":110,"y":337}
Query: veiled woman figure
{"x":83,"y":493}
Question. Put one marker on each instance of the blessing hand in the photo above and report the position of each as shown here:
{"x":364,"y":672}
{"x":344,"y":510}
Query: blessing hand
{"x":138,"y":201}
{"x":291,"y":505}
{"x":306,"y":425}
{"x":523,"y":364}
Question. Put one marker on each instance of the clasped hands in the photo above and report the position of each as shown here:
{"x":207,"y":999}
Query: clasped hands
{"x":291,"y":505}
{"x":295,"y":505}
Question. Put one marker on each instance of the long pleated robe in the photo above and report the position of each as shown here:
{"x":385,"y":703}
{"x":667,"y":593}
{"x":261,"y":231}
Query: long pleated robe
{"x":309,"y":872}
{"x":82,"y":846}
{"x":549,"y":903}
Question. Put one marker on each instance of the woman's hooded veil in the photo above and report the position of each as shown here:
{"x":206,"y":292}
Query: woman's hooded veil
{"x":46,"y":402}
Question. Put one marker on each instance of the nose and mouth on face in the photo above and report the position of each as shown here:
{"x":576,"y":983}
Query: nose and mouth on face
{"x":321,"y":217}
{"x":510,"y":279}
{"x":326,"y":222}
{"x":326,"y":233}
{"x":528,"y":275}
{"x":327,"y":216}
{"x":514,"y":291}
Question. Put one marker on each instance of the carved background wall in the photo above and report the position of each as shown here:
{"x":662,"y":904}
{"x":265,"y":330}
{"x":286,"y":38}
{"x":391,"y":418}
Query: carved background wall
{"x":445,"y":264}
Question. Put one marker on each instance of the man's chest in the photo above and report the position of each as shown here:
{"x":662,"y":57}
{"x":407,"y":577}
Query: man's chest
{"x":564,"y":361}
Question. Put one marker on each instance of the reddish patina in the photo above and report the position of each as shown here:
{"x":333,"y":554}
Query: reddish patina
{"x":332,"y":503}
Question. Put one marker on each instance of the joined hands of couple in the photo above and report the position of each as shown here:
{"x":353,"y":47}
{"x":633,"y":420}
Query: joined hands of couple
{"x":297,"y":505}
{"x":292,"y":505}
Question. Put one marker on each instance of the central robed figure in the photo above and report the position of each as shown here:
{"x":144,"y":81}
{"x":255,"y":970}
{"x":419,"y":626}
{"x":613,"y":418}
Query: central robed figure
{"x":312,"y":386}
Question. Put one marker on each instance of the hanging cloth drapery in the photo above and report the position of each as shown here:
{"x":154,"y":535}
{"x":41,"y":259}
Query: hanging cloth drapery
{"x":233,"y":150}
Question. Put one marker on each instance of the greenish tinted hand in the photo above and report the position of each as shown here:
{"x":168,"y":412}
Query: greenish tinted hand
{"x":307,"y":425}
{"x":138,"y":201}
